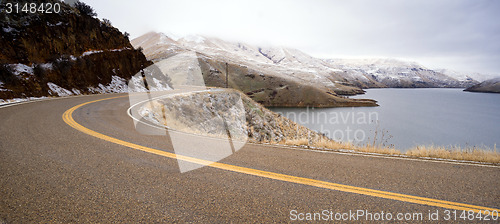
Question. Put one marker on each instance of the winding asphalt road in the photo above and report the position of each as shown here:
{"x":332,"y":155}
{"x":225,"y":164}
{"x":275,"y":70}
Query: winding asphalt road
{"x":51,"y":172}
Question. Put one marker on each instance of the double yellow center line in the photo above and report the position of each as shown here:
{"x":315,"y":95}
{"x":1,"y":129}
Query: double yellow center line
{"x":68,"y":118}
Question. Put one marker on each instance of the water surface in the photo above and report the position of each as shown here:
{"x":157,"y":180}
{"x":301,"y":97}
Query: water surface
{"x":410,"y":117}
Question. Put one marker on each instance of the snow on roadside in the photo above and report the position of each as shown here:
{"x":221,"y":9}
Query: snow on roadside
{"x":18,"y":100}
{"x":1,"y":89}
{"x":117,"y":85}
{"x":55,"y":89}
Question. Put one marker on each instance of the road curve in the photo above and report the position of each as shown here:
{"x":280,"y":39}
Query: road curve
{"x":52,"y":172}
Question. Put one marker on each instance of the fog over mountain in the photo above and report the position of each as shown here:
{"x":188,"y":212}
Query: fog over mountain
{"x":460,"y":35}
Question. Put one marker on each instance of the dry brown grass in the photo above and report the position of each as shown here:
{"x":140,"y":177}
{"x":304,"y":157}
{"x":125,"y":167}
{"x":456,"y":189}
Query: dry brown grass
{"x":456,"y":153}
{"x":451,"y":153}
{"x":330,"y":144}
{"x":297,"y":142}
{"x":378,"y":149}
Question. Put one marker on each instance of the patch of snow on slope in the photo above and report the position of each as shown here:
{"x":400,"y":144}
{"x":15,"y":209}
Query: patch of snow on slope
{"x":18,"y":69}
{"x":117,"y":85}
{"x":76,"y":91}
{"x":47,"y":66}
{"x":159,"y":86}
{"x":86,"y":53}
{"x":57,"y":90}
{"x":120,"y":85}
{"x":120,"y":49}
{"x":9,"y":29}
{"x":138,"y":85}
{"x":57,"y":24}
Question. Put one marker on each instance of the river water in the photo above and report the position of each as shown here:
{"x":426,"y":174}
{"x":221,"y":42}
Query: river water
{"x":410,"y":117}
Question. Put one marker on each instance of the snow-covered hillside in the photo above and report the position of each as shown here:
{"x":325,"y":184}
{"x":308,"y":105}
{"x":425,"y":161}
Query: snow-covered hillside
{"x":378,"y":72}
{"x":271,"y":76}
{"x":488,"y":86}
{"x":462,"y":76}
{"x":332,"y":74}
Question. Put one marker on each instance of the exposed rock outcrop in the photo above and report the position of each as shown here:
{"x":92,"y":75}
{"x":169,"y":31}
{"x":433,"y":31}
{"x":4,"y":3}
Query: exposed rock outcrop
{"x":69,"y":51}
{"x":215,"y":111}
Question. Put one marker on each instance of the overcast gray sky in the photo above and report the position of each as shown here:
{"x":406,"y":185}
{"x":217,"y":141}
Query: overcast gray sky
{"x":463,"y":35}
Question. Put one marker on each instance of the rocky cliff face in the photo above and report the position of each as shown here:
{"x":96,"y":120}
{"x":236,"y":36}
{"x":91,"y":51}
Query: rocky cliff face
{"x":62,"y":53}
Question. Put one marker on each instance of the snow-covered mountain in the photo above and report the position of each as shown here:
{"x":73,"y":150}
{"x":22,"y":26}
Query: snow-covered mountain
{"x":333,"y":76}
{"x":488,"y":86}
{"x":271,"y":76}
{"x":378,"y":72}
{"x":463,"y":76}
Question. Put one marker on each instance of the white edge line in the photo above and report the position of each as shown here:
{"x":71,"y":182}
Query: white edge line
{"x":422,"y":159}
{"x":5,"y":105}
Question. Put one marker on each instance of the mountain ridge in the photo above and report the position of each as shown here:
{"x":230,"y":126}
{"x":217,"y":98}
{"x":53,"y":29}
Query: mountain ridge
{"x":334,"y":77}
{"x":363,"y":73}
{"x":251,"y":72}
{"x":488,"y":86}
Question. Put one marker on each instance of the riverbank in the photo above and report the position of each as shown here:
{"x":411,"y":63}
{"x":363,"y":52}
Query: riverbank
{"x":469,"y":154}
